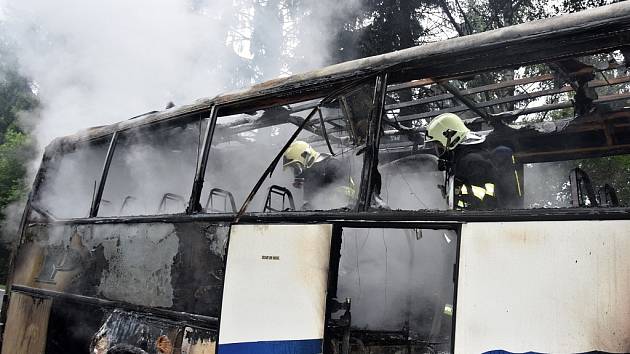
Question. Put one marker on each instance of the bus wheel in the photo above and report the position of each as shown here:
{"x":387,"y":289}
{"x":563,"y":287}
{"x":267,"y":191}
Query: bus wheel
{"x":125,"y":349}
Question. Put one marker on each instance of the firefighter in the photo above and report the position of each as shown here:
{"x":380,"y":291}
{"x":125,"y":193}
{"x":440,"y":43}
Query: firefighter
{"x":325,"y":180}
{"x":482,"y":178}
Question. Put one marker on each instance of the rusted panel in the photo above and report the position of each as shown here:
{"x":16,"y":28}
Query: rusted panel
{"x":28,"y":318}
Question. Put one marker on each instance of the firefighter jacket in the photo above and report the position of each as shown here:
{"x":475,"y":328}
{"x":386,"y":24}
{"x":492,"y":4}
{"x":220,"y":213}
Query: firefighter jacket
{"x":485,"y":179}
{"x":328,"y":176}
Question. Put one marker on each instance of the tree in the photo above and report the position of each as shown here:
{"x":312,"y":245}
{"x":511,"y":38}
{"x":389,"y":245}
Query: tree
{"x":16,"y":95}
{"x":379,"y":26}
{"x":17,"y":150}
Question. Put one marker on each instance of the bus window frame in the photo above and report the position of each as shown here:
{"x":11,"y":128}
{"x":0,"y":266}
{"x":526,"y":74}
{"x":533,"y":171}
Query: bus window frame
{"x":335,"y":259}
{"x":46,"y":163}
{"x":172,"y":122}
{"x":194,"y":206}
{"x":365,"y":188}
{"x":370,"y":152}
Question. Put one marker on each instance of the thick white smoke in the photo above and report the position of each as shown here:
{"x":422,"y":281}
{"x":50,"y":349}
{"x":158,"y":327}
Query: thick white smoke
{"x":96,"y":63}
{"x":99,"y":62}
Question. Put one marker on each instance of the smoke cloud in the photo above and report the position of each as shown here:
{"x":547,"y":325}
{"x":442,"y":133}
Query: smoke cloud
{"x":95,"y":63}
{"x":399,"y":279}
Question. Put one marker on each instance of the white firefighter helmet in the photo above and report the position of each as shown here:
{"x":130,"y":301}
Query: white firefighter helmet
{"x":299,"y":154}
{"x":447,"y":129}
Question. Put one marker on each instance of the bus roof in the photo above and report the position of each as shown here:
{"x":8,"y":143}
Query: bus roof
{"x":592,"y":31}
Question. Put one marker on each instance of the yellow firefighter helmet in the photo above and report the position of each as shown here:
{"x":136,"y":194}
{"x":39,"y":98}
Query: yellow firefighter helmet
{"x":299,"y":153}
{"x":447,"y":129}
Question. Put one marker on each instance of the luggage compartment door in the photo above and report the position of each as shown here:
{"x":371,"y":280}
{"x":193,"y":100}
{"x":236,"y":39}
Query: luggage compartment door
{"x":544,"y":287}
{"x":274,"y":297}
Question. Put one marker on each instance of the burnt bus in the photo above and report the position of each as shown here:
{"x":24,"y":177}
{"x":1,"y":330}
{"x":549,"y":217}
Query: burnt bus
{"x":180,"y":232}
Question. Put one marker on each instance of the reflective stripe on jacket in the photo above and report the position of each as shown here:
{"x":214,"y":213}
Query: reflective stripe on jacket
{"x":476,"y":191}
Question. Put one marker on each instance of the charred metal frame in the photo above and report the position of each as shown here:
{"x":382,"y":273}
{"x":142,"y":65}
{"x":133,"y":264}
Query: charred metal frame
{"x":96,"y":201}
{"x":199,"y":321}
{"x":374,"y":217}
{"x":286,"y":197}
{"x":273,"y":164}
{"x":596,"y":133}
{"x":227,"y":196}
{"x":195,"y":195}
{"x":316,"y":110}
{"x":579,"y":181}
{"x":370,"y":159}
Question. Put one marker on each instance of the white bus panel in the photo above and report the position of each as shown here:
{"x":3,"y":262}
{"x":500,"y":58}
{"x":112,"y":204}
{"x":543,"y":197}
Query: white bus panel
{"x":274,"y":296}
{"x":544,"y":287}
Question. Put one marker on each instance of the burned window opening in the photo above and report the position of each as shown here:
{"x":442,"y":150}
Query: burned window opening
{"x":391,"y":260}
{"x":328,"y":132}
{"x":148,"y":164}
{"x":559,"y":110}
{"x":67,"y":184}
{"x":98,"y":193}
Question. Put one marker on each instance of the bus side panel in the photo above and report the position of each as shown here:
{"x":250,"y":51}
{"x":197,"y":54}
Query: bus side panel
{"x":177,"y":266}
{"x":31,"y":318}
{"x":174,"y":266}
{"x":544,"y":287}
{"x":274,"y":296}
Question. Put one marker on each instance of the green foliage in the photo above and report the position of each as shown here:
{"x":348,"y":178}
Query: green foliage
{"x":614,"y":170}
{"x":16,"y":95}
{"x":16,"y":151}
{"x":16,"y":147}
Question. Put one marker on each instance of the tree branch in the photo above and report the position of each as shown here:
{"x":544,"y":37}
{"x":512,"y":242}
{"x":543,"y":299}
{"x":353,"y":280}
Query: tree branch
{"x":466,"y":22}
{"x":448,"y":13}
